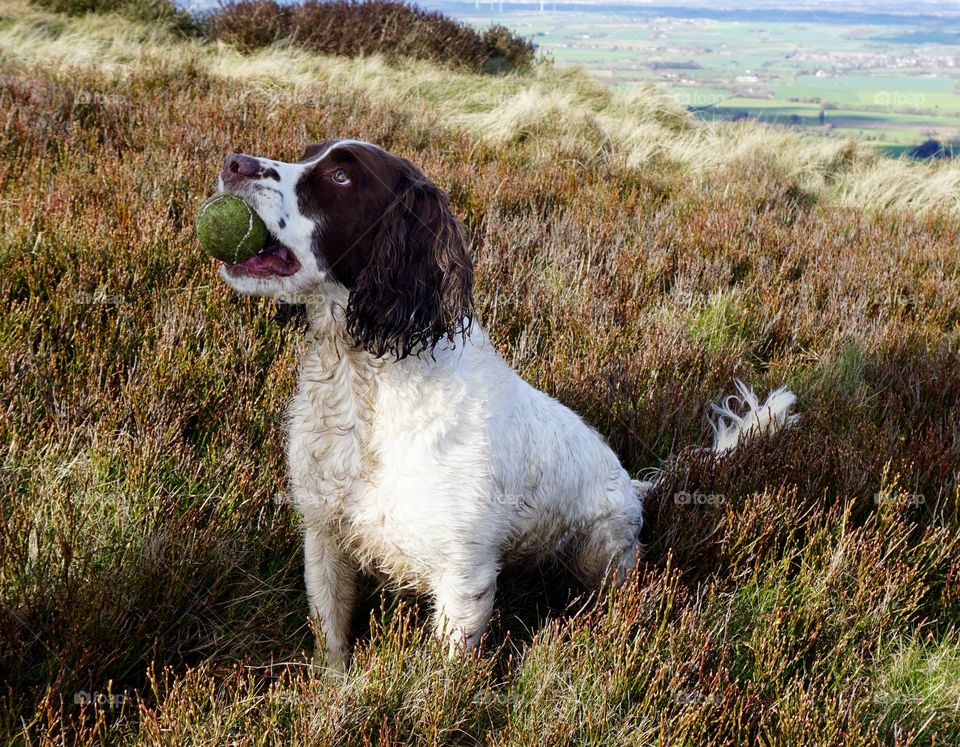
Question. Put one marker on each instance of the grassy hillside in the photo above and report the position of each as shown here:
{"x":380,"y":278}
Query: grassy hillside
{"x":629,"y":261}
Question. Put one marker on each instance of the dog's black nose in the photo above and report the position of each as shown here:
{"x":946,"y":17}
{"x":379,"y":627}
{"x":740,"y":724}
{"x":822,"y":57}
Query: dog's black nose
{"x":238,"y":163}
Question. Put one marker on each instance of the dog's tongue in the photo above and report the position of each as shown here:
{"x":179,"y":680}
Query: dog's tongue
{"x":274,"y":260}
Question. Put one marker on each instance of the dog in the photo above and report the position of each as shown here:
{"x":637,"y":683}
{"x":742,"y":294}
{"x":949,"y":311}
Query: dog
{"x":415,"y":452}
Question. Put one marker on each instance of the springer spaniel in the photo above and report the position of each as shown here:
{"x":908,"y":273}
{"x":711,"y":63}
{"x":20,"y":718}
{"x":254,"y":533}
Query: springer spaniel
{"x":414,"y":451}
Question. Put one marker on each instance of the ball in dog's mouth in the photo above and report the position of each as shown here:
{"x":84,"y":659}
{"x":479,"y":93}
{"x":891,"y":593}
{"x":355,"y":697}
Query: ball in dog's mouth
{"x":230,"y":230}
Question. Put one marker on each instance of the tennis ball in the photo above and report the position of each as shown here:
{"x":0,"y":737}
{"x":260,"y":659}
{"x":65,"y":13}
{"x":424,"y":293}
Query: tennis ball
{"x":229,"y":230}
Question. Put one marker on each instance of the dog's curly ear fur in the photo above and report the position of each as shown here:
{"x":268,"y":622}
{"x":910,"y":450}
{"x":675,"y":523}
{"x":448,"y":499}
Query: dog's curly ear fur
{"x":417,"y":287}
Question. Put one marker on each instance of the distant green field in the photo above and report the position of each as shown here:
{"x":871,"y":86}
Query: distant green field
{"x":884,"y":84}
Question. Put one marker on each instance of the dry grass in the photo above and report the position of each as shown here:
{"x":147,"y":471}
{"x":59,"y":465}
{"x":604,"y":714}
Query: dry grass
{"x":812,"y":599}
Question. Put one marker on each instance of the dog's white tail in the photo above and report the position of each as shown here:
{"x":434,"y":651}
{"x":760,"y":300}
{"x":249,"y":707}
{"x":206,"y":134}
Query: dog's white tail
{"x":730,"y":429}
{"x":739,"y":418}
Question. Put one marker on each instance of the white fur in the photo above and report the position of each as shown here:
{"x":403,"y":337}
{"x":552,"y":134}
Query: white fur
{"x":730,"y":428}
{"x":436,"y":471}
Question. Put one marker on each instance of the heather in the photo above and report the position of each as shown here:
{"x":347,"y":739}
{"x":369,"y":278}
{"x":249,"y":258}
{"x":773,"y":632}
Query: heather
{"x":630,"y":261}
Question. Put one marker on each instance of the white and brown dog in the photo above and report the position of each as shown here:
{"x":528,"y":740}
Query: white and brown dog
{"x":415,"y":452}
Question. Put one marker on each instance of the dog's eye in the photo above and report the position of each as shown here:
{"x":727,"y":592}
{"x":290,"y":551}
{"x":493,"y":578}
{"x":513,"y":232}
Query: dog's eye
{"x":340,"y":176}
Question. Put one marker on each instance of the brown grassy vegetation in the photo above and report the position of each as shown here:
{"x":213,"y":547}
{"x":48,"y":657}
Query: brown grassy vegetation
{"x":354,"y":29}
{"x":807,"y":594}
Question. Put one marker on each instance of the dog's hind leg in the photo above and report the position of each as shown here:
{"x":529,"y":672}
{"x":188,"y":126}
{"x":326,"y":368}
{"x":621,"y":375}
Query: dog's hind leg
{"x":609,"y":552}
{"x":609,"y":548}
{"x":331,"y":578}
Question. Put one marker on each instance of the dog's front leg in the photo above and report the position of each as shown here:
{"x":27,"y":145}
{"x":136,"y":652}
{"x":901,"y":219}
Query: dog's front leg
{"x":463,"y":601}
{"x":331,"y":577}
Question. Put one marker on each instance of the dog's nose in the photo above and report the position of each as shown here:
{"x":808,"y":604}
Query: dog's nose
{"x":243,"y":165}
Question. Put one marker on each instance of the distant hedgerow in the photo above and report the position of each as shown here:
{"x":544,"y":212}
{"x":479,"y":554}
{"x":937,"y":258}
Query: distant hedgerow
{"x":163,"y":11}
{"x":352,"y":28}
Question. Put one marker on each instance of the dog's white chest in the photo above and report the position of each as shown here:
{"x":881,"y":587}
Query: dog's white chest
{"x":328,"y":423}
{"x":367,"y":453}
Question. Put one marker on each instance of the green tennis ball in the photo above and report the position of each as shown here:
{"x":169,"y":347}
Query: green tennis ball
{"x":229,"y":230}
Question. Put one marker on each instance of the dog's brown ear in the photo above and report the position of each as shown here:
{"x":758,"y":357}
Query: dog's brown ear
{"x":417,"y":287}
